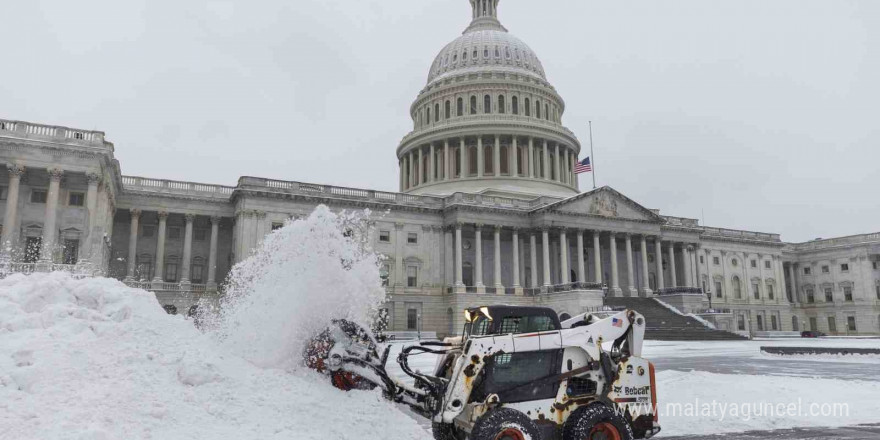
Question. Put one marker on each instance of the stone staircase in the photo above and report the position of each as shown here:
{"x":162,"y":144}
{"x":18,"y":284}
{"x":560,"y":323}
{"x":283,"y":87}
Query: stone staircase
{"x":665,"y":325}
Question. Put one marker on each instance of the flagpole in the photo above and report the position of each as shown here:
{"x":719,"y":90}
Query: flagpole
{"x":592,"y":155}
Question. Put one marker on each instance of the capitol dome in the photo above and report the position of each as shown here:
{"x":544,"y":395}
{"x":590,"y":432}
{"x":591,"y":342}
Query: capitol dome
{"x":488,"y":121}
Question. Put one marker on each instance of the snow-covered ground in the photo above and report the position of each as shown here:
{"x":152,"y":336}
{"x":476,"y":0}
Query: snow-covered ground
{"x":95,"y":360}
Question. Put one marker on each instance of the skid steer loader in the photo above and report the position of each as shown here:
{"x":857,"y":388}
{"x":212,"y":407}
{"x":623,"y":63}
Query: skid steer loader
{"x":516,"y":373}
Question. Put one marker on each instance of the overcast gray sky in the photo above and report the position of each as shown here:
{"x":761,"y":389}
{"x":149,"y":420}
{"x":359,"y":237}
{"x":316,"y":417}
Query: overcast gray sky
{"x":759,"y":115}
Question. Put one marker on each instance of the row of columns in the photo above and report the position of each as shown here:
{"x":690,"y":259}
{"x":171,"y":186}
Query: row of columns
{"x":439,"y":162}
{"x":565,"y":258}
{"x":50,"y":226}
{"x":160,"y":248}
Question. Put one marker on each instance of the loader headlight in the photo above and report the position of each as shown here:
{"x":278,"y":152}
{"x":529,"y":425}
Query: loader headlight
{"x":485,"y":312}
{"x":467,"y":316}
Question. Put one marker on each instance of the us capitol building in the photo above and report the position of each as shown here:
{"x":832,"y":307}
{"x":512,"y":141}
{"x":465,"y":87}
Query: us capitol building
{"x":488,"y":211}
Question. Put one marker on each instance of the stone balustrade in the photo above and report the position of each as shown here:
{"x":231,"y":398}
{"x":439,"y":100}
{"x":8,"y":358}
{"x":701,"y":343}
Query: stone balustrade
{"x":29,"y":130}
{"x":835,"y":242}
{"x":744,"y":235}
{"x":142,"y":184}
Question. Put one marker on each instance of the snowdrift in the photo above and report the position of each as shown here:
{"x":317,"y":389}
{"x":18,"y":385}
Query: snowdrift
{"x":94,"y":359}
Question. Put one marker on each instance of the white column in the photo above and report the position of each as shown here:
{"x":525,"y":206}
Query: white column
{"x":10,"y":218}
{"x":658,"y":260}
{"x":672,"y":275}
{"x":132,"y":244}
{"x":533,"y":251}
{"x":187,"y":248}
{"x":794,"y":295}
{"x":447,"y":161}
{"x":212,"y":255}
{"x":478,"y":267}
{"x":160,"y":247}
{"x":91,"y":207}
{"x":597,"y":261}
{"x":563,"y":254}
{"x":646,"y":285}
{"x":546,"y":161}
{"x":459,"y":281}
{"x":615,"y":279}
{"x":496,"y":157}
{"x":699,"y":276}
{"x":516,"y":281}
{"x":51,"y":217}
{"x":545,"y":247}
{"x":686,"y":253}
{"x":582,"y":270}
{"x":497,"y":260}
{"x":462,"y":153}
{"x":431,"y":165}
{"x":630,"y":270}
{"x":421,"y":164}
{"x":513,"y":164}
{"x":481,"y":166}
{"x":531,"y":161}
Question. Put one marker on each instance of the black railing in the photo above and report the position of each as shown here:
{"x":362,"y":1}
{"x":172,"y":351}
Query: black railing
{"x":680,"y":290}
{"x":562,"y":288}
{"x":714,"y":312}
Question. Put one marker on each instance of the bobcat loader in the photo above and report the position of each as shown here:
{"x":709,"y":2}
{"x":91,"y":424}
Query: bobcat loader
{"x":516,"y":373}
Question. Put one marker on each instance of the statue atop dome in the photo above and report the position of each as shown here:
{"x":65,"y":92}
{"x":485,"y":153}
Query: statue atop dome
{"x":485,"y":16}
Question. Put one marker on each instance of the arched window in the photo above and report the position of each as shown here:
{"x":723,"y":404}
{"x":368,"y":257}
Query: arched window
{"x":473,"y":105}
{"x":198,"y":270}
{"x":501,"y":106}
{"x":487,"y":159}
{"x":457,"y":161}
{"x":144,"y":267}
{"x":486,"y":52}
{"x":448,"y":110}
{"x":472,"y":160}
{"x":538,"y":109}
{"x":546,"y":112}
{"x":504,"y":166}
{"x":497,"y":52}
{"x":428,"y":113}
{"x":475,"y":54}
{"x":171,"y":275}
{"x":521,"y":159}
{"x":528,"y":108}
{"x":487,"y":104}
{"x":760,"y":323}
{"x":515,"y":103}
{"x":464,"y":55}
{"x":507,"y":52}
{"x":436,"y":112}
{"x":737,"y":288}
{"x":459,"y":107}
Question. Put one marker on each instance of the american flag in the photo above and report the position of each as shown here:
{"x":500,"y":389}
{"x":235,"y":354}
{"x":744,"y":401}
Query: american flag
{"x":617,"y":322}
{"x":583,"y":166}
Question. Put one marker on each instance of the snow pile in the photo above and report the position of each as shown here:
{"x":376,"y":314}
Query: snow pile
{"x":303,"y":276}
{"x":93,"y":359}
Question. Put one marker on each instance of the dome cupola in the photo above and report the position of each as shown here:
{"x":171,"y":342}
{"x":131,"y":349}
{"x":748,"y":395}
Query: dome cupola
{"x":488,"y":120}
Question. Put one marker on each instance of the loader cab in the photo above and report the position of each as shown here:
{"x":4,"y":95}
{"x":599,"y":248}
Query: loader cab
{"x":503,"y":320}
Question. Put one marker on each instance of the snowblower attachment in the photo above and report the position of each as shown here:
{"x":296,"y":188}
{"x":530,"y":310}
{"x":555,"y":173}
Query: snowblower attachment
{"x":513,"y":369}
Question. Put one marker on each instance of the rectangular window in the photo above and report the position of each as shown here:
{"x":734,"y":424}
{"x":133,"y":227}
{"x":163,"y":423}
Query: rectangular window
{"x":814,"y":326}
{"x":741,"y":323}
{"x":412,"y":319}
{"x":876,"y":265}
{"x":811,"y":297}
{"x":174,"y":233}
{"x":412,"y":238}
{"x":851,"y":323}
{"x":412,"y":276}
{"x":701,"y":259}
{"x":826,"y":269}
{"x":844,"y":267}
{"x":716,"y":261}
{"x":770,"y":293}
{"x":829,"y":295}
{"x":39,"y":196}
{"x":198,"y":272}
{"x":847,"y":294}
{"x":200,"y":235}
{"x":807,"y":271}
{"x":755,"y":263}
{"x":766,"y":265}
{"x":148,"y":231}
{"x":277,"y":225}
{"x":756,"y":290}
{"x":773,"y":324}
{"x":70,"y":254}
{"x":385,"y":273}
{"x":877,"y":289}
{"x":385,"y":236}
{"x":171,"y":272}
{"x":76,"y":199}
{"x":32,"y":249}
{"x":718,"y":292}
{"x":832,"y":325}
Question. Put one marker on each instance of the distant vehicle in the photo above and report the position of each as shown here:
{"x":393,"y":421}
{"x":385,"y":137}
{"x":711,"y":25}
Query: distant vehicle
{"x":812,"y":334}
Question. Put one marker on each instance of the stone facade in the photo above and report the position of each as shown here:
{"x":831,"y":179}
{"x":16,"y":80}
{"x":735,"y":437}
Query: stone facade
{"x":489,"y":211}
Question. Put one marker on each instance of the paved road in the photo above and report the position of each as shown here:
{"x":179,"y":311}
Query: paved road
{"x":864,"y":432}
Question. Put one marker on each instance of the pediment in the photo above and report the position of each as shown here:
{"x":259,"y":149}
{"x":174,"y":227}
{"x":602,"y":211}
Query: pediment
{"x":604,"y":202}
